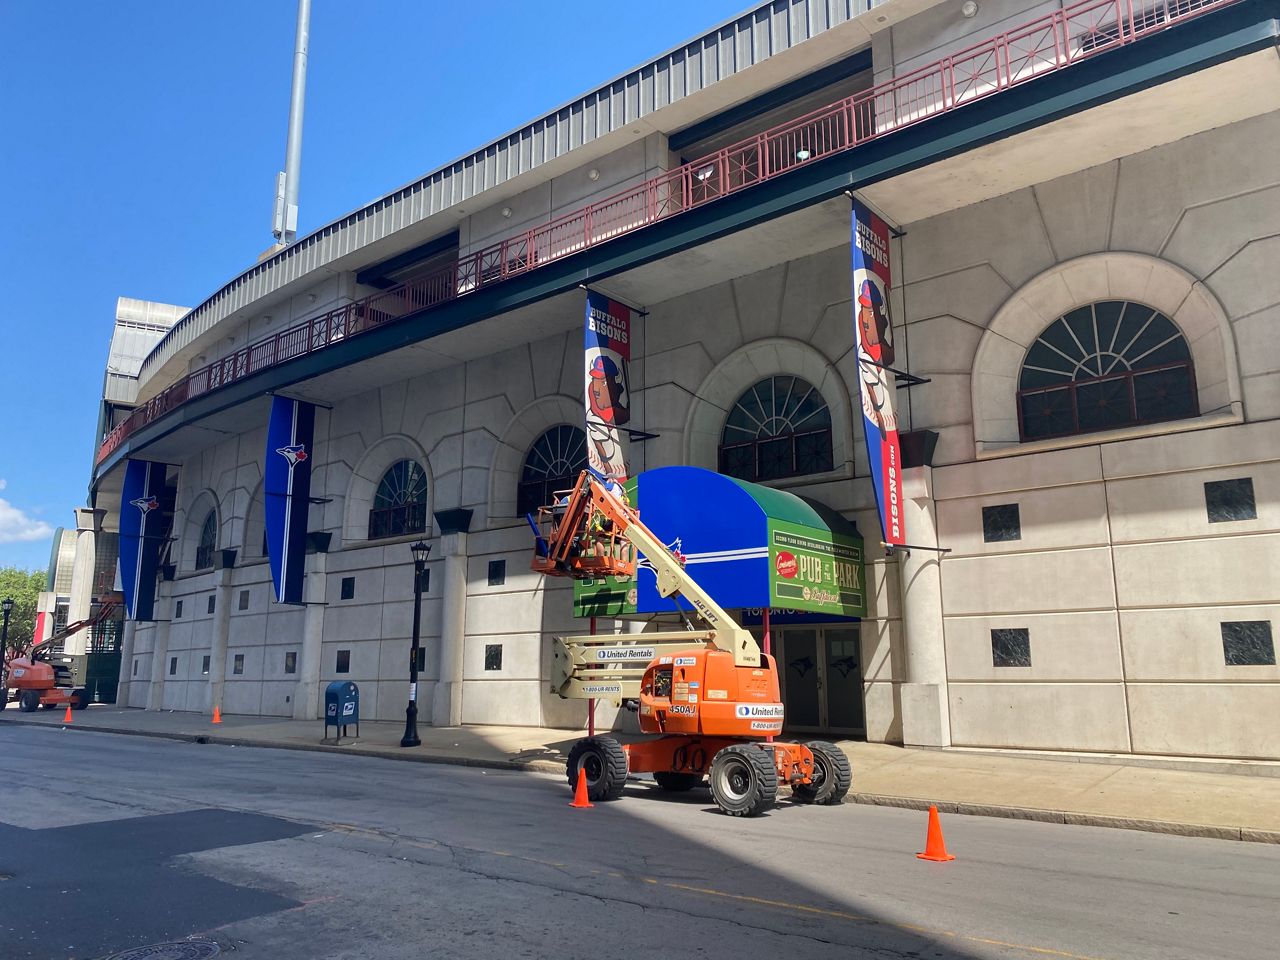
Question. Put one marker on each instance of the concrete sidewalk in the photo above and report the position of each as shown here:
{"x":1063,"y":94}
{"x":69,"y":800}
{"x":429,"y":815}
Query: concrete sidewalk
{"x":1113,"y":793}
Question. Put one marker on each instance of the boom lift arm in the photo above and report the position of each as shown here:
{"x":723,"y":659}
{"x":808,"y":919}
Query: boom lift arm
{"x":582,"y":542}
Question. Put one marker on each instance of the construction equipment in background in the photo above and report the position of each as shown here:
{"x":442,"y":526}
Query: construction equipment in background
{"x":710,"y":694}
{"x":47,"y":678}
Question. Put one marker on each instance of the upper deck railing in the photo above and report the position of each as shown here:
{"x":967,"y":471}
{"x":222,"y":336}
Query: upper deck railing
{"x":1050,"y":43}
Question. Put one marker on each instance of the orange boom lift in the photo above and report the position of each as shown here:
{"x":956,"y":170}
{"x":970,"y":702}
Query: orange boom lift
{"x":710,"y":695}
{"x":42,"y":683}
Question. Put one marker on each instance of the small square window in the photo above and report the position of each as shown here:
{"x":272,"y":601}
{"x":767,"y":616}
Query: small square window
{"x":1011,"y":647}
{"x":422,"y":659}
{"x":135,"y":668}
{"x":497,"y":573}
{"x":204,"y":667}
{"x":1228,"y":500}
{"x":1001,"y":522}
{"x":211,"y":600}
{"x":348,"y":591}
{"x":237,"y":664}
{"x":244,"y":600}
{"x":290,"y":662}
{"x":177,"y":610}
{"x":344,"y":662}
{"x":1248,"y":643}
{"x":493,"y":656}
{"x":173,"y":666}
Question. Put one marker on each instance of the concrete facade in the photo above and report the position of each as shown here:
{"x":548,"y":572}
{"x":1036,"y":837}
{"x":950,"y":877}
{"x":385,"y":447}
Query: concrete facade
{"x":1118,"y":575}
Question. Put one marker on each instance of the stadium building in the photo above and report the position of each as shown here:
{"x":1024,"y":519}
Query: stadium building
{"x":1077,"y":213}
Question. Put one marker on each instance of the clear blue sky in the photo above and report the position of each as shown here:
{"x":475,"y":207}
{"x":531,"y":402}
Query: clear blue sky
{"x":143,"y":140}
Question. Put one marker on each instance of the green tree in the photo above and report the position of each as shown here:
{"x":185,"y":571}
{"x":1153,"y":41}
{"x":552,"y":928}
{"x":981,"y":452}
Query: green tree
{"x":23,"y":586}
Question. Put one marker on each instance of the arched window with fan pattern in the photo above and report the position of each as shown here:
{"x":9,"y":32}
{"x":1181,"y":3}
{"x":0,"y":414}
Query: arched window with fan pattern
{"x":400,"y":503}
{"x":553,"y":463}
{"x":1105,"y":365}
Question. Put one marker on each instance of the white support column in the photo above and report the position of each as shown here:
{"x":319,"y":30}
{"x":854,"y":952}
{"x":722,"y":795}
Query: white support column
{"x":926,"y":714}
{"x":446,"y":706}
{"x":221,"y":632}
{"x":126,"y":663}
{"x":160,"y":646}
{"x":306,"y":696}
{"x":88,"y":526}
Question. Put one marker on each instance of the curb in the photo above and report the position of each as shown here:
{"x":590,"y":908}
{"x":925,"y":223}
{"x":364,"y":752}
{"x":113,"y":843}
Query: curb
{"x":1169,"y":827}
{"x":528,"y":766}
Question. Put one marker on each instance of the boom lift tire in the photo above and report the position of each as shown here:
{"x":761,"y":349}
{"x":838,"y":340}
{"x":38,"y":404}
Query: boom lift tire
{"x":832,"y":776}
{"x":605,"y":763}
{"x":82,"y":698}
{"x":28,"y":701}
{"x":677,"y":782}
{"x":744,"y":780}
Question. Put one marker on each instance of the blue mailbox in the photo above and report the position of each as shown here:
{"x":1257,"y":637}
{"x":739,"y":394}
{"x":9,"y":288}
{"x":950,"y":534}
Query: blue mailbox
{"x":341,"y":707}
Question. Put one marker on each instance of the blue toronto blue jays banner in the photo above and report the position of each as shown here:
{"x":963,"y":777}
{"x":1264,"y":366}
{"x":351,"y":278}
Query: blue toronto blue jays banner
{"x":873,"y":335}
{"x":286,"y":487}
{"x":141,"y":536}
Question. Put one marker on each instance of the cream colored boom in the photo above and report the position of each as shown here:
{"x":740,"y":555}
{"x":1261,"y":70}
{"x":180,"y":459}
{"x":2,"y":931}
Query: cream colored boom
{"x":674,"y":579}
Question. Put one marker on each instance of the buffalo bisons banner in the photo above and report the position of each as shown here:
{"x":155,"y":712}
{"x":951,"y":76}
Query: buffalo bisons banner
{"x":287,"y":488}
{"x":608,"y":400}
{"x":141,"y":536}
{"x":872,"y":281}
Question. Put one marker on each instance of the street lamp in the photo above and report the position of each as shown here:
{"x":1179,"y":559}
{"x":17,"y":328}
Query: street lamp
{"x":7,"y":606}
{"x":420,"y":551}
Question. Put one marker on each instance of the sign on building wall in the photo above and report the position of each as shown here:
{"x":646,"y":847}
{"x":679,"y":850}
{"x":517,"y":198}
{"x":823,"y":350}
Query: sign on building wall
{"x":141,"y":535}
{"x":608,"y":392}
{"x":287,"y":493}
{"x":873,"y":333}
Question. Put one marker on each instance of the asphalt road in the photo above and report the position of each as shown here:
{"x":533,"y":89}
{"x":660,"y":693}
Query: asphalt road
{"x":108,"y":843}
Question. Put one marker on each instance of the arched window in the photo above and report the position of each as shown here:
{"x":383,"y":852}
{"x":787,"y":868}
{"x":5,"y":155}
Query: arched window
{"x":553,"y":463}
{"x":1105,"y":365}
{"x":208,"y":541}
{"x":400,"y":503}
{"x":779,"y":428}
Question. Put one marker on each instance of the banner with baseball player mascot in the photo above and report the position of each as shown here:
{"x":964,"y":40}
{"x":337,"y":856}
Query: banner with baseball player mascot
{"x":142,"y":535}
{"x":873,"y":334}
{"x":608,"y":391}
{"x":286,"y":486}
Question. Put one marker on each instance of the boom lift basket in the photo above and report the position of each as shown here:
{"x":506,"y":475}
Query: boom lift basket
{"x":575,"y":538}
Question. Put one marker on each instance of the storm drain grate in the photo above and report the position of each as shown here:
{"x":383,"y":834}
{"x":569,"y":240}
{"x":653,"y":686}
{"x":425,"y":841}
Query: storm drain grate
{"x":197,"y":949}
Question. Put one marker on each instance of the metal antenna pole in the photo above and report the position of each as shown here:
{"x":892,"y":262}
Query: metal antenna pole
{"x":285,"y":218}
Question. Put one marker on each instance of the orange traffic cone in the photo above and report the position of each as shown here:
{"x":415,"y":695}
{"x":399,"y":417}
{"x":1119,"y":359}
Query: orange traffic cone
{"x":67,"y":718}
{"x":934,"y":848}
{"x":217,"y":714}
{"x":580,"y":792}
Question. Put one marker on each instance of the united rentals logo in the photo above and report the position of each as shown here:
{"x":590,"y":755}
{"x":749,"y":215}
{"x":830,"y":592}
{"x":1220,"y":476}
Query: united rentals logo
{"x":146,"y":504}
{"x":294,"y":453}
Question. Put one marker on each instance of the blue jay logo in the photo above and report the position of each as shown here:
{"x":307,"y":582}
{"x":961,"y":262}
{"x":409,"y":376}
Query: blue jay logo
{"x":294,"y":453}
{"x":146,"y":504}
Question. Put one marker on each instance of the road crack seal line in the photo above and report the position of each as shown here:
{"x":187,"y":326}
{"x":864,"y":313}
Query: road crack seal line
{"x":858,"y":918}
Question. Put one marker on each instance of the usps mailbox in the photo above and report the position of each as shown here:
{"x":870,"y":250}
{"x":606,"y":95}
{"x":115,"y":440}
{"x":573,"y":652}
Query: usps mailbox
{"x":341,"y":707}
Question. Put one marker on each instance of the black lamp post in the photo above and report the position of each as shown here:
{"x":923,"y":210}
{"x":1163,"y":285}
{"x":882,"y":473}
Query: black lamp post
{"x":7,"y":606}
{"x":420,"y":551}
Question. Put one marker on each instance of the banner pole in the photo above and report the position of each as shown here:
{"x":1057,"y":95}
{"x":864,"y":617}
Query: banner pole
{"x":591,"y":701}
{"x":768,"y":651}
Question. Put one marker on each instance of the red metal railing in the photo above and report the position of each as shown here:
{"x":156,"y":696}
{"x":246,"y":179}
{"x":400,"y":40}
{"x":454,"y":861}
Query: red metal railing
{"x":1050,"y":43}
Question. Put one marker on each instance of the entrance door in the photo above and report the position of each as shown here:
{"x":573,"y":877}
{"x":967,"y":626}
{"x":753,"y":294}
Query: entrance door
{"x":821,"y":678}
